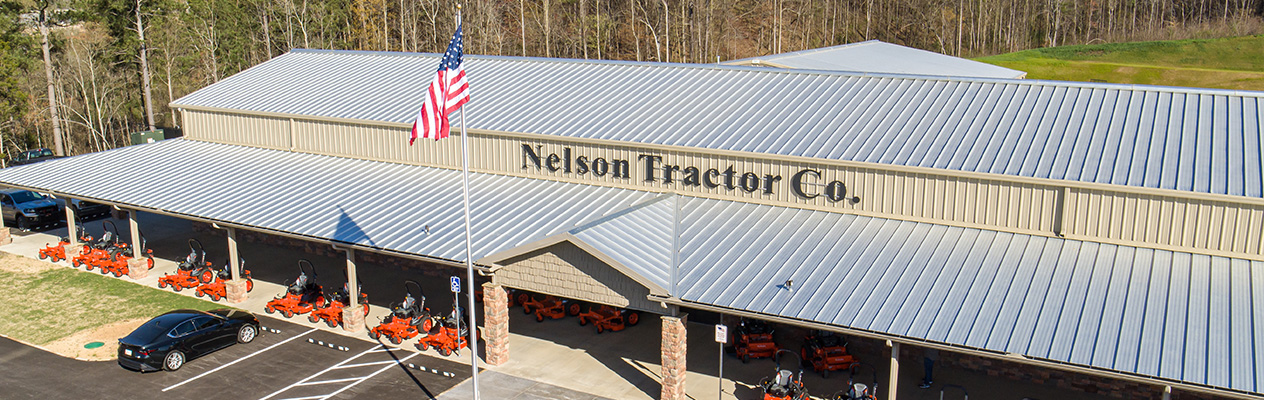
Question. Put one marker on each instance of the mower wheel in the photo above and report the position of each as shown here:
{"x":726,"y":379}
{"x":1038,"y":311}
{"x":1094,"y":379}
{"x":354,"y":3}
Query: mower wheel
{"x":162,"y":284}
{"x":539,"y":317}
{"x":583,"y":321}
{"x":247,"y":333}
{"x":427,"y":324}
{"x":633,"y":318}
{"x":825,"y":373}
{"x":522,"y":299}
{"x":331,"y":323}
{"x":199,"y":294}
{"x":250,"y":285}
{"x":75,"y":263}
{"x":149,"y":262}
{"x":526,"y":309}
{"x":287,"y":313}
{"x":600,"y":329}
{"x":215,"y":297}
{"x":173,"y":361}
{"x":269,"y":309}
{"x":394,"y":339}
{"x":573,"y":309}
{"x":43,"y":256}
{"x":443,"y":351}
{"x":373,"y":334}
{"x":206,"y":277}
{"x":745,"y":357}
{"x":312,"y":318}
{"x":177,"y":287}
{"x":423,"y":346}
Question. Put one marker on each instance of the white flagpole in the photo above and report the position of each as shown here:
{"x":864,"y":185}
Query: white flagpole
{"x":469,"y":261}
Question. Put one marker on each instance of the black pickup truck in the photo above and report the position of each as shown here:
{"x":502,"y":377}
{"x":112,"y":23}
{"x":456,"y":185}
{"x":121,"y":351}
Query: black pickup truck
{"x":32,"y":156}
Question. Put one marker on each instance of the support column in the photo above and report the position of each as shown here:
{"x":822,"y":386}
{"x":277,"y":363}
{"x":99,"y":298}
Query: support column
{"x":138,"y":266}
{"x":495,"y":323}
{"x":72,"y":229}
{"x":1167,"y":393}
{"x":673,"y":357}
{"x":5,"y":237}
{"x":235,"y":287}
{"x":894,"y":379}
{"x":352,"y":314}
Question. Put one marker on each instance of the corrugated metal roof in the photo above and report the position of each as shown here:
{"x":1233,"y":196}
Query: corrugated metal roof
{"x":877,"y":56}
{"x":381,"y":205}
{"x":1154,"y":313}
{"x":1198,"y":140}
{"x":639,"y":238}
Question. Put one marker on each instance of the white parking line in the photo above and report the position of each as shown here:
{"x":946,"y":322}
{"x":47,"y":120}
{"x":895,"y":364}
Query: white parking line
{"x":401,"y":361}
{"x":304,"y":398}
{"x":344,"y":362}
{"x":366,"y":364}
{"x":238,"y":360}
{"x":327,"y":382}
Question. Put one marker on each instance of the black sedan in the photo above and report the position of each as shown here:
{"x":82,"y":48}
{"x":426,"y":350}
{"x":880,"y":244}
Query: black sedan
{"x":168,"y":340}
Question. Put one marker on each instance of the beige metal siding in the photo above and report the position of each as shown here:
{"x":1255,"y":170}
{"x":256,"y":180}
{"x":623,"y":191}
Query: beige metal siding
{"x":268,"y":132}
{"x":1167,"y":222}
{"x":567,"y":271}
{"x":1012,"y":205}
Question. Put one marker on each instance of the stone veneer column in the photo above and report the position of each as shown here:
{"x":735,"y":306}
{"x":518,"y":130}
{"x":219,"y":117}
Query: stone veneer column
{"x":673,"y":357}
{"x":496,"y":323}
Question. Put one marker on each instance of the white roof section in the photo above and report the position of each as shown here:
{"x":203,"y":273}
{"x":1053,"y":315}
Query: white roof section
{"x":374,"y":204}
{"x":1196,"y":140}
{"x":875,"y":56}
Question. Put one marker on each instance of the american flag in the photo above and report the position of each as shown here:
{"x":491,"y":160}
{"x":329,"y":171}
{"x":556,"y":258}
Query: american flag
{"x":447,"y":93}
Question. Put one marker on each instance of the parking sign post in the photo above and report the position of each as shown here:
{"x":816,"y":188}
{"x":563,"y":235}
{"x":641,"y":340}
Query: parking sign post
{"x":721,"y":337}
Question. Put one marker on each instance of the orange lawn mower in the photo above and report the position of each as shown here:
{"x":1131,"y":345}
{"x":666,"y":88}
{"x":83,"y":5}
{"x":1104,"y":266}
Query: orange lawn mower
{"x":119,"y":255}
{"x":607,"y":318}
{"x":450,"y":336}
{"x":335,"y":301}
{"x":216,"y":290}
{"x":95,"y":253}
{"x":549,"y":306}
{"x":57,"y":252}
{"x":784,"y":384}
{"x":303,"y":296}
{"x":825,"y":352}
{"x":860,"y":391}
{"x":407,"y":319}
{"x":191,"y":272}
{"x":753,"y":339}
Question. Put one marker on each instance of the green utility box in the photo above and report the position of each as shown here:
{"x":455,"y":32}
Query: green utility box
{"x":147,"y":136}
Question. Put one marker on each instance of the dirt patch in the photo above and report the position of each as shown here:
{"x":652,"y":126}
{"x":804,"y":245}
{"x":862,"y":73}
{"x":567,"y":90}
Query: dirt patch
{"x":23,"y":265}
{"x":72,"y":346}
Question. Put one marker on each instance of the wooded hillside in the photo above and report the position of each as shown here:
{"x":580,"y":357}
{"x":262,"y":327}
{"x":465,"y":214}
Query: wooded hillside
{"x":112,"y":65}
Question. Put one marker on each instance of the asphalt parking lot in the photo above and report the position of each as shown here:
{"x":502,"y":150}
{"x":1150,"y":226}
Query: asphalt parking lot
{"x":278,"y":366}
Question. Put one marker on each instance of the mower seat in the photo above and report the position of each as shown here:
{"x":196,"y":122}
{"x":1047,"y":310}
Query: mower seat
{"x":783,"y":378}
{"x":858,"y":390}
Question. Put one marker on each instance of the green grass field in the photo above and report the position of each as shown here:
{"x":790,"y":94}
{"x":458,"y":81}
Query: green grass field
{"x":41,"y":307}
{"x":1230,"y":63}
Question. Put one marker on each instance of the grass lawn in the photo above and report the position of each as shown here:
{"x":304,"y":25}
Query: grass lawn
{"x":1230,"y":63}
{"x":42,"y":302}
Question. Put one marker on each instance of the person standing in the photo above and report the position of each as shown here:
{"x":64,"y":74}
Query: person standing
{"x":929,"y":357}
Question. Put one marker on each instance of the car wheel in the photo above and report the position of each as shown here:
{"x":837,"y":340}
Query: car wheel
{"x":23,"y":223}
{"x":173,"y":361}
{"x":247,"y":333}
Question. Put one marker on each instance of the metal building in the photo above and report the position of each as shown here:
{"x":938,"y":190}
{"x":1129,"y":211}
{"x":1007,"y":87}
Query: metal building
{"x":1113,"y":230}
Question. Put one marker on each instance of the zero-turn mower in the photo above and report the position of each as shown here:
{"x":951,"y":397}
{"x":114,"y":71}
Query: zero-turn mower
{"x":826,"y":351}
{"x":451,"y":335}
{"x":94,"y":253}
{"x":57,"y":252}
{"x":119,"y":255}
{"x":784,"y":384}
{"x":335,"y":301}
{"x":216,"y":290}
{"x":406,"y":319}
{"x":191,"y":272}
{"x":607,"y":318}
{"x":860,"y":391}
{"x":549,"y":306}
{"x":753,"y":339}
{"x":303,"y":296}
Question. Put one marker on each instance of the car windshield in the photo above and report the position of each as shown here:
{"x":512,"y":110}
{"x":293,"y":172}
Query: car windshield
{"x":25,"y":196}
{"x":45,"y":153}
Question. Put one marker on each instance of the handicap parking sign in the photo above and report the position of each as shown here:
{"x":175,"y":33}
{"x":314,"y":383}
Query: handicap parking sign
{"x":456,"y":284}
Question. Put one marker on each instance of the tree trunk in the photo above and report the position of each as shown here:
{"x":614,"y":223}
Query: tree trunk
{"x":59,"y":148}
{"x":144,"y":69}
{"x":666,"y":31}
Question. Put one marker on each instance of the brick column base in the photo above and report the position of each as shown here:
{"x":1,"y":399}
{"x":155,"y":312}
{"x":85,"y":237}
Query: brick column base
{"x":673,"y":357}
{"x":235,"y":290}
{"x":72,"y":250}
{"x":5,"y":237}
{"x":353,"y":319}
{"x":495,"y":323}
{"x":138,"y":268}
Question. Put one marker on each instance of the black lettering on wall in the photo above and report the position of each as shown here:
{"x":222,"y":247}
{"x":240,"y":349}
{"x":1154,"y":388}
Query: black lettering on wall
{"x":552,"y":161}
{"x":581,"y":165}
{"x":709,"y":178}
{"x":750,"y":182}
{"x":691,"y":176}
{"x":600,"y":167}
{"x":621,"y":169}
{"x":529,"y":154}
{"x":651,"y":164}
{"x":799,"y":187}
